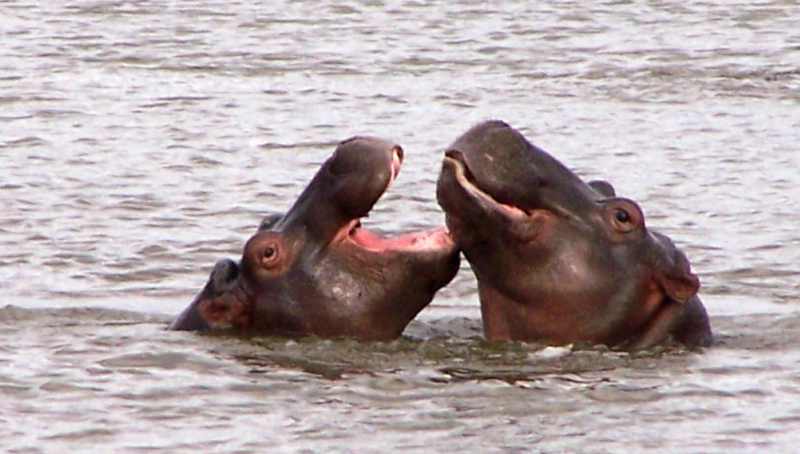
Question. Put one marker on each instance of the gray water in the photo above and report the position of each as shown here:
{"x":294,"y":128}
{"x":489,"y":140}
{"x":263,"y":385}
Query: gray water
{"x":140,"y":141}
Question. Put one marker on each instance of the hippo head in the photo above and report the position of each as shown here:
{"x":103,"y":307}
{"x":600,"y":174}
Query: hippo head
{"x":557,"y":259}
{"x":316,"y":271}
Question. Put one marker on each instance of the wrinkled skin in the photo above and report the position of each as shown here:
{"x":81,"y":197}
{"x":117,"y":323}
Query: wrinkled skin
{"x":316,"y":271}
{"x":559,"y":260}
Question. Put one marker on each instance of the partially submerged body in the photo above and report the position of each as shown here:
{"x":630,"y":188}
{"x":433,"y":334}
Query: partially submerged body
{"x":316,"y":271}
{"x":559,"y":260}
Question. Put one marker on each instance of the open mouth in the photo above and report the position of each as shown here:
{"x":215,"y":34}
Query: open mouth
{"x":427,"y":240}
{"x":468,"y":183}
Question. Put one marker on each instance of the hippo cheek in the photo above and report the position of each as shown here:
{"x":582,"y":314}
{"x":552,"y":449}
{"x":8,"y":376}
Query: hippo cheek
{"x":547,"y":264}
{"x":666,"y":288}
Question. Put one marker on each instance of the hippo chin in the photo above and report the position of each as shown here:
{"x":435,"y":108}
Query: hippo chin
{"x":559,"y":260}
{"x":316,"y":271}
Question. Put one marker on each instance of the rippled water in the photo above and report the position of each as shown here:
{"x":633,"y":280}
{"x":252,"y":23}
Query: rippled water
{"x":140,"y":141}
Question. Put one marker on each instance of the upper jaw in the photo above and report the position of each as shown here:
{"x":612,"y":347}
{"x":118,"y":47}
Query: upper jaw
{"x":432,"y":240}
{"x":393,"y":163}
{"x":334,"y":202}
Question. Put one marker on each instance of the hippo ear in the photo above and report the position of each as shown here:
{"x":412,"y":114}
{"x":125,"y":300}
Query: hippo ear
{"x":211,"y":304}
{"x":680,"y":288}
{"x":623,"y":217}
{"x":603,"y":187}
{"x":674,"y":273}
{"x":269,"y":221}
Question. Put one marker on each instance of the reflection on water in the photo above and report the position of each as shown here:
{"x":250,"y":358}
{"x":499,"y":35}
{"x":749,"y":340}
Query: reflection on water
{"x":142,"y":141}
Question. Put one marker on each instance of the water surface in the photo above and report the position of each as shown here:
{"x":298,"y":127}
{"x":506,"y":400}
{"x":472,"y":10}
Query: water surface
{"x":142,"y":141}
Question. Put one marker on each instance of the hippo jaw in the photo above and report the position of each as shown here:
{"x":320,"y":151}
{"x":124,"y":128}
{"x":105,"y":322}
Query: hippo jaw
{"x":316,"y":270}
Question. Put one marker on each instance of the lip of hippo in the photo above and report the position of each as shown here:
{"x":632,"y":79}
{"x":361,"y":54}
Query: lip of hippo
{"x":458,"y":166}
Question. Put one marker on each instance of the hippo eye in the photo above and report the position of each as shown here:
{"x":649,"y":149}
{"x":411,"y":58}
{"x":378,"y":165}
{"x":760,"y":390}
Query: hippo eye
{"x":269,"y":255}
{"x":624,"y":215}
{"x":266,"y":251}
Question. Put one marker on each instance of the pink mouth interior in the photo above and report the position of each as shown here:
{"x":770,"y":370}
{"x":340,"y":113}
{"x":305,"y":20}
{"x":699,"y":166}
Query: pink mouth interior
{"x":426,"y":240}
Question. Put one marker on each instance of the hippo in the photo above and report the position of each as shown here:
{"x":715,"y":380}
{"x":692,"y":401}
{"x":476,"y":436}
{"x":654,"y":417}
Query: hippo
{"x":559,"y":260}
{"x":316,"y":271}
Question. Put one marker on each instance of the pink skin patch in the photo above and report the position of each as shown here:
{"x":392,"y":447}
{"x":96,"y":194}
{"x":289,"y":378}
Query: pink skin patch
{"x":429,"y":240}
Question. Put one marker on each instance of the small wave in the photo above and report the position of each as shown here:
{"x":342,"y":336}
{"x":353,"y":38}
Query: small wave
{"x":30,"y":141}
{"x":291,"y":146}
{"x":165,"y":360}
{"x":13,"y":315}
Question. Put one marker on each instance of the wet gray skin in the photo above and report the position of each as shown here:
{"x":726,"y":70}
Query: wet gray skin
{"x":316,"y":271}
{"x":559,"y":260}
